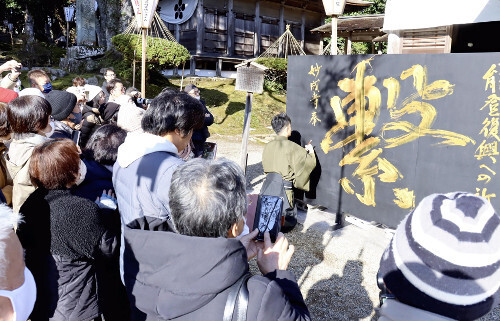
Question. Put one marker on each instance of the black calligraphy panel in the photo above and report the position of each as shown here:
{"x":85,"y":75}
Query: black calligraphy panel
{"x":391,"y":129}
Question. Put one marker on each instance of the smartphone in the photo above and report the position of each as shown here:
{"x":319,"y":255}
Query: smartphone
{"x":86,"y":95}
{"x":209,"y":150}
{"x":268,"y":216}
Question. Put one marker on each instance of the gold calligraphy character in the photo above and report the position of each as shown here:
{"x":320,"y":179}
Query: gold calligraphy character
{"x":314,"y":119}
{"x":485,"y":177}
{"x":489,"y":76}
{"x":315,"y":85}
{"x":492,"y":102}
{"x":363,"y":105}
{"x":490,"y":128}
{"x":315,"y":96}
{"x":410,"y":105}
{"x":487,"y":150}
{"x":484,"y":193}
{"x":315,"y":70}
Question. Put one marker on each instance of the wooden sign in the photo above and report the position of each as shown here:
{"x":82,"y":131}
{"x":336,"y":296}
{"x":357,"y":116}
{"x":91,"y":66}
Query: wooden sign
{"x":392,"y":129}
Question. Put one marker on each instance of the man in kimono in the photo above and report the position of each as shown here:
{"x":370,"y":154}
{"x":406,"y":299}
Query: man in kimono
{"x":292,"y":162}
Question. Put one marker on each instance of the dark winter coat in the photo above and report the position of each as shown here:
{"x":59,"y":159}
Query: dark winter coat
{"x":201,"y":135}
{"x":171,"y":276}
{"x":64,"y":236}
{"x":97,"y":179}
{"x":109,"y":112}
{"x":90,"y":123}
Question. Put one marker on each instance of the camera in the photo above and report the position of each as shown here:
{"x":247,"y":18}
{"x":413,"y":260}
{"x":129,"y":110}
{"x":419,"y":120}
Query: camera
{"x":141,"y":101}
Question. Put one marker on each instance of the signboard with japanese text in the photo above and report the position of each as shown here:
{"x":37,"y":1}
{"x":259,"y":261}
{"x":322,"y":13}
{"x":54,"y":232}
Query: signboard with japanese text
{"x":144,"y":11}
{"x":391,"y":129}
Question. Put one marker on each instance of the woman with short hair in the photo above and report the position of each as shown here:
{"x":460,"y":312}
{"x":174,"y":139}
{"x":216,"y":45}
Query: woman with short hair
{"x":64,"y":235}
{"x":31,"y":124}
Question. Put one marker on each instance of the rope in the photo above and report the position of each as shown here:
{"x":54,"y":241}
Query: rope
{"x":291,"y":46}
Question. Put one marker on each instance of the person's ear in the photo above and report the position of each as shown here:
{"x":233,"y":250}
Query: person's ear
{"x":234,"y":231}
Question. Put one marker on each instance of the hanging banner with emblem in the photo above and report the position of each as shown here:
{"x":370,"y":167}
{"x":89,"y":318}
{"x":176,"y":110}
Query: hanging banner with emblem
{"x":177,"y":11}
{"x":144,"y":11}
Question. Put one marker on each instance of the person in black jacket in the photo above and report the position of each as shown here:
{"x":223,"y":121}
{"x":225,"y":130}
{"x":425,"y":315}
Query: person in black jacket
{"x":200,"y":135}
{"x":99,"y":156}
{"x":91,"y":118}
{"x":64,"y":235}
{"x":188,"y":275}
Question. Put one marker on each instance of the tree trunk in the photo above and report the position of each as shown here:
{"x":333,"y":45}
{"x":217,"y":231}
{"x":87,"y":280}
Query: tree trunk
{"x":29,"y":29}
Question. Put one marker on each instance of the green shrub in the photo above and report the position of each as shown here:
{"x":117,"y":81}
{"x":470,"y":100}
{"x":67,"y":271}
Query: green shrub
{"x":35,"y":54}
{"x":276,"y":76}
{"x":160,"y":52}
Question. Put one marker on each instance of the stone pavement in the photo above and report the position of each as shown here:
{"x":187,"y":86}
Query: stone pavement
{"x":335,"y":267}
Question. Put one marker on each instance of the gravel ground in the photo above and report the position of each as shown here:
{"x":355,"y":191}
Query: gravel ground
{"x":335,"y":268}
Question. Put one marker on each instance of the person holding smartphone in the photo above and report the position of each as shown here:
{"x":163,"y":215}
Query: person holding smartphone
{"x":190,"y":273}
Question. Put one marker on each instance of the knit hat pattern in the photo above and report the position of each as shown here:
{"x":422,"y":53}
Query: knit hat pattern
{"x":445,"y":256}
{"x":62,"y":103}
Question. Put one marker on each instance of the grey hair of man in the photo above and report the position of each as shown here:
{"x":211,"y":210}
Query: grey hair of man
{"x":207,"y":197}
{"x":8,"y":219}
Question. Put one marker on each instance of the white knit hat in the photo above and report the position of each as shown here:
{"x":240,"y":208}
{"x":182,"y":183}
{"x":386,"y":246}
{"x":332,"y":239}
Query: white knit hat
{"x":445,"y":257}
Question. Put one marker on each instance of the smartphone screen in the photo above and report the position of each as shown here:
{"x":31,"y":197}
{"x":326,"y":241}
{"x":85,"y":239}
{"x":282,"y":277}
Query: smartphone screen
{"x":86,"y":95}
{"x":268,"y":216}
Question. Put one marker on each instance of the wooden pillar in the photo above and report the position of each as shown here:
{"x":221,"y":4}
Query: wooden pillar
{"x":257,"y":30}
{"x":178,"y":33}
{"x":373,"y":47}
{"x":230,"y":28}
{"x":218,"y":68}
{"x":349,"y":44}
{"x":200,"y":27}
{"x":281,"y":27}
{"x":345,"y":46}
{"x":303,"y":31}
{"x":192,"y":66}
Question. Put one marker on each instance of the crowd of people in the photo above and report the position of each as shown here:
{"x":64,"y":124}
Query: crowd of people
{"x":109,"y":212}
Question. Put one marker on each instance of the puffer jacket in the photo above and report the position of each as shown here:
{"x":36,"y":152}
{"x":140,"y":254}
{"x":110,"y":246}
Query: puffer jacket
{"x":169,"y":276}
{"x":65,"y":236}
{"x":17,"y":160}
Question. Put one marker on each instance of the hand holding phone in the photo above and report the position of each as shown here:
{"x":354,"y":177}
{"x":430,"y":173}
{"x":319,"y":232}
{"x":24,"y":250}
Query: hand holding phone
{"x":274,"y":256}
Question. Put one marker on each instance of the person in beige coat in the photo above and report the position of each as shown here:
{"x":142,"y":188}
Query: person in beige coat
{"x":29,"y":118}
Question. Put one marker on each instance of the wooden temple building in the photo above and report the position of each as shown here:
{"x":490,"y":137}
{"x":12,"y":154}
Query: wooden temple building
{"x":221,"y":33}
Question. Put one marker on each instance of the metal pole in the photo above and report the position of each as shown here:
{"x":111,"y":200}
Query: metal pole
{"x":246,"y":132}
{"x":333,"y":48}
{"x":133,"y":72}
{"x":143,"y":71}
{"x":67,"y":34}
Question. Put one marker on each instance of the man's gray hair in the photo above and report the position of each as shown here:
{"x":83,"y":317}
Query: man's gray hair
{"x":207,"y":197}
{"x":8,"y":219}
